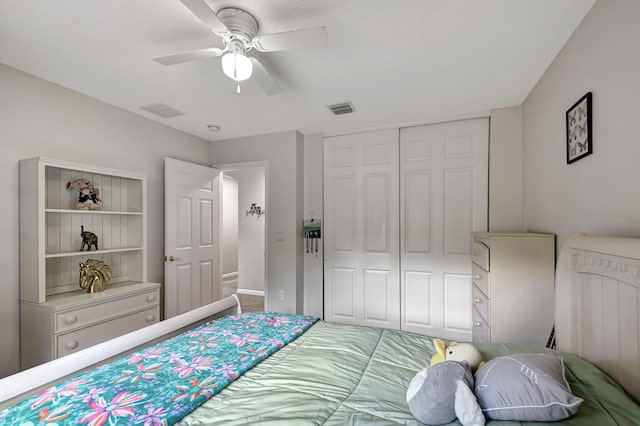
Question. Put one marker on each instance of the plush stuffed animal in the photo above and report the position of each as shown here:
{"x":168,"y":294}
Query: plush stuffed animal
{"x":456,"y":352}
{"x":443,"y":391}
{"x":89,"y":196}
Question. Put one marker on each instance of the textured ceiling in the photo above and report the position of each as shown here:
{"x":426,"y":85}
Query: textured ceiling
{"x":397,"y":61}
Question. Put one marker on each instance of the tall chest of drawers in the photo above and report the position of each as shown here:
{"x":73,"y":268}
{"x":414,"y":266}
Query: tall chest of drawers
{"x":513,"y":287}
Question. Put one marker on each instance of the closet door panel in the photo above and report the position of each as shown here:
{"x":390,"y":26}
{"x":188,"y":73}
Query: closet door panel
{"x":444,"y":187}
{"x":343,"y":189}
{"x":343,"y":286}
{"x":416,"y":298}
{"x":361,"y":196}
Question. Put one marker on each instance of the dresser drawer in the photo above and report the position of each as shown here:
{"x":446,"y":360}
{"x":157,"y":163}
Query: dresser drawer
{"x":77,"y":318}
{"x":480,"y":330}
{"x":480,"y":301}
{"x":480,"y":255}
{"x":81,"y":339}
{"x":480,"y":277}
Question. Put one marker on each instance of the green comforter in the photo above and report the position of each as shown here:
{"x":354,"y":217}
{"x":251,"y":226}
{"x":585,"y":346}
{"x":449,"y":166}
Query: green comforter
{"x":342,"y":375}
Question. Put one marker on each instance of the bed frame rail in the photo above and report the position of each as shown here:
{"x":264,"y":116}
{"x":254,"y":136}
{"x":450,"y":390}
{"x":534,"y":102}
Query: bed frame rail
{"x":18,"y":386}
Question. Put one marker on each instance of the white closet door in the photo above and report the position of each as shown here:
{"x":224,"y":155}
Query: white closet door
{"x":361,"y":229}
{"x":444,"y":196}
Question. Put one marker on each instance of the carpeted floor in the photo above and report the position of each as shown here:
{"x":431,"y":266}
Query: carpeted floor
{"x":251,"y":303}
{"x":248,"y":302}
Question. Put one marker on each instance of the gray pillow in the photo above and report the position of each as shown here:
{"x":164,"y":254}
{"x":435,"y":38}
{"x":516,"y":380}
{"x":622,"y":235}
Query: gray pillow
{"x":525,"y":387}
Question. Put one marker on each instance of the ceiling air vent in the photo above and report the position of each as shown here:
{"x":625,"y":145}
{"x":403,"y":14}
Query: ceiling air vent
{"x":162,"y":110}
{"x":343,"y":108}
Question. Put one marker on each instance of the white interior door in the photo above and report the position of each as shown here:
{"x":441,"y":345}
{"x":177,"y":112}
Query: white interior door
{"x":361,"y":229}
{"x":191,"y":236}
{"x":444,"y":196}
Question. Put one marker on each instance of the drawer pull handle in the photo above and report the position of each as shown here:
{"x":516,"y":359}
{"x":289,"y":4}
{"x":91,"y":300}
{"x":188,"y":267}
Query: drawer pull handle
{"x":151,"y":298}
{"x":150,"y":318}
{"x":71,"y":344}
{"x":476,"y":277}
{"x":477,"y":300}
{"x":477,"y":324}
{"x":71,"y":319}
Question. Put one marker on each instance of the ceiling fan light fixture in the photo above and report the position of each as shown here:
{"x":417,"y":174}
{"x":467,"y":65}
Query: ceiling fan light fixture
{"x":236,"y":66}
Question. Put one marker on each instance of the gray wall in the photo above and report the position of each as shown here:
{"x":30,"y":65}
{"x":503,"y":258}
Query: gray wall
{"x":313,"y":262}
{"x":38,"y":118}
{"x":598,"y":194}
{"x":250,"y":229}
{"x":505,"y":170}
{"x":284,"y":201}
{"x":229,"y":247}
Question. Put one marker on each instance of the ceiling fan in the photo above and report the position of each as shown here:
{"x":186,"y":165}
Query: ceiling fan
{"x":239,"y":32}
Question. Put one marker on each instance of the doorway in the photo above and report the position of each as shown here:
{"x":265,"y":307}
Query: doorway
{"x":243,"y":233}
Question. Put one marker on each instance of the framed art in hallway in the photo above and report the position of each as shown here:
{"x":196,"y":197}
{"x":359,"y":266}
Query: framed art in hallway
{"x":579,"y":129}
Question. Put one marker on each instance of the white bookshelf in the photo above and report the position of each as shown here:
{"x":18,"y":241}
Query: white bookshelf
{"x":50,"y":254}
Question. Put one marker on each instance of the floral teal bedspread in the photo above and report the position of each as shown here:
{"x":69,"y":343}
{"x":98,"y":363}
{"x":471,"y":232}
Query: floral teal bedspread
{"x":162,"y":383}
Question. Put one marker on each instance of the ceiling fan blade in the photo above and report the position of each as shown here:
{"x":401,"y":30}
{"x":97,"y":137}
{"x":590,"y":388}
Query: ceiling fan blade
{"x":206,"y":15}
{"x":189,"y":56}
{"x":265,"y":80}
{"x":288,"y":40}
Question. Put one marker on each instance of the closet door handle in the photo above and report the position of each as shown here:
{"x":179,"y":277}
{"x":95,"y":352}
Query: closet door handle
{"x":477,"y":300}
{"x":476,"y":277}
{"x":477,"y":324}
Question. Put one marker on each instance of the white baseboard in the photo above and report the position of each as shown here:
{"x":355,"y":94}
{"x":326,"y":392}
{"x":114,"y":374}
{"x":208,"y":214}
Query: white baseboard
{"x":230,"y":276}
{"x":250,"y":292}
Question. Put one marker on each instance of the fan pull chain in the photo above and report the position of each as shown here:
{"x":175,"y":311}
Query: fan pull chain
{"x":235,"y":71}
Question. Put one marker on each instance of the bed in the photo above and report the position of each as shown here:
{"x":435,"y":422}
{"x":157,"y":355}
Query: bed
{"x":339,"y":374}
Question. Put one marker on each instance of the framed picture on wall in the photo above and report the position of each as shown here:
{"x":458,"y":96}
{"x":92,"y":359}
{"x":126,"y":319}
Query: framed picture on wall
{"x":579,"y":134}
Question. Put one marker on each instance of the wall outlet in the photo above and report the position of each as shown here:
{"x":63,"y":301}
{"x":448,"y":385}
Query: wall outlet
{"x":281,"y":295}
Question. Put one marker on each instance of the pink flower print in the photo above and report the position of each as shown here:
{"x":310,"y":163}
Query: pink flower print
{"x":244,"y":339}
{"x":204,"y":344}
{"x":141,"y":372}
{"x":52,"y":417}
{"x":228,"y":370}
{"x":196,"y":389}
{"x":245,"y":355}
{"x":153,"y":417}
{"x":210,"y":330}
{"x":276,"y":342}
{"x":253,"y":324}
{"x":174,"y":357}
{"x":193,"y":334}
{"x":120,"y":406}
{"x":150,"y":353}
{"x":93,"y":393}
{"x":185,"y":369}
{"x":262,"y":353}
{"x":54,"y":392}
{"x":226,"y":333}
{"x":278,"y":321}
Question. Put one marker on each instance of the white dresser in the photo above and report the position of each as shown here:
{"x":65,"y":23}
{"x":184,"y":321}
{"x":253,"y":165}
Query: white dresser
{"x":56,"y":316}
{"x":513,"y":287}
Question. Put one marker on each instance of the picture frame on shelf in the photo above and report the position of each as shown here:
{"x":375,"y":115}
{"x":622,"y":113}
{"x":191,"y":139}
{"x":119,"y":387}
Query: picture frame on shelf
{"x":579,"y":129}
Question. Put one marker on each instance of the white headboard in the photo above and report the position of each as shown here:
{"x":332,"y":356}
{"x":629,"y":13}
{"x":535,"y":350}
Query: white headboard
{"x":598,"y":305}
